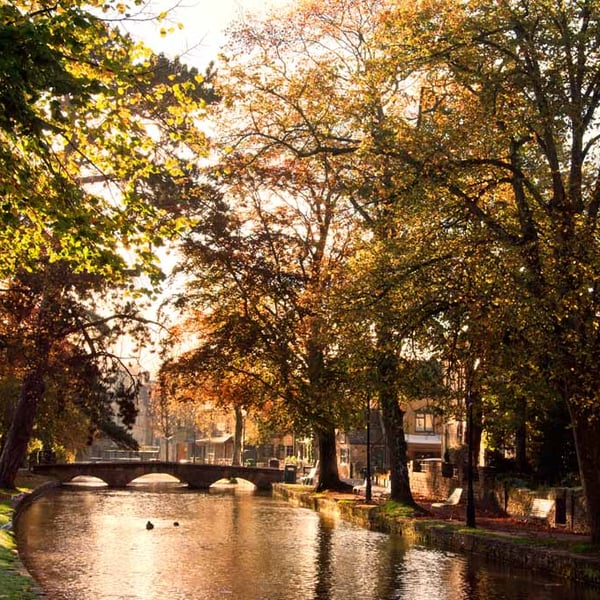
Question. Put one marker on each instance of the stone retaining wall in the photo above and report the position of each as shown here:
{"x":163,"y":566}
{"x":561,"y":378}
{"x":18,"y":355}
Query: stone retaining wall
{"x":569,"y":513}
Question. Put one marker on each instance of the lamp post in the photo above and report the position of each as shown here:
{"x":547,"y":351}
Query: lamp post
{"x":194,"y":423}
{"x":470,"y":512}
{"x":368,"y":490}
{"x":470,"y":494}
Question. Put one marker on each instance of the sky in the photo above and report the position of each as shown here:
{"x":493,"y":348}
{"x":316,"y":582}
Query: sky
{"x":197,"y":43}
{"x":203,"y":21}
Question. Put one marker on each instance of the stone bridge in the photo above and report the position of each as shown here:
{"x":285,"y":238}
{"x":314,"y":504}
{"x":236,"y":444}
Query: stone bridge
{"x":119,"y":474}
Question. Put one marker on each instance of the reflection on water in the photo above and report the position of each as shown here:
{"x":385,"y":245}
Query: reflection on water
{"x":93,"y":544}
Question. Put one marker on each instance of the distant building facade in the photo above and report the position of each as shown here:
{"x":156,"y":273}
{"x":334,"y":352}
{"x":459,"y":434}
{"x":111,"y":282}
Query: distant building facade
{"x":423,"y":431}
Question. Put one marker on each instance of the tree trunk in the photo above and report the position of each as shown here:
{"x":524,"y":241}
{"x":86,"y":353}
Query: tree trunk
{"x":237,"y":437}
{"x":587,"y":433}
{"x":14,"y":450}
{"x":393,"y":421}
{"x":329,"y":477}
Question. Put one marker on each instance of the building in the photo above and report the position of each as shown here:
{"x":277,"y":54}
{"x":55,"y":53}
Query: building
{"x":423,"y":434}
{"x":423,"y":431}
{"x":105,"y":448}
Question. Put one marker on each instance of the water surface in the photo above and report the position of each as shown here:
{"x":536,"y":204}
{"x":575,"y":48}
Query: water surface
{"x":84,"y":544}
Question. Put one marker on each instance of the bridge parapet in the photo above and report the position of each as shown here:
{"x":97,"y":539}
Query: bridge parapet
{"x":119,"y":474}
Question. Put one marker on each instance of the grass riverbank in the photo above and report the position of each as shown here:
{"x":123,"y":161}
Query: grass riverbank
{"x":15,"y":582}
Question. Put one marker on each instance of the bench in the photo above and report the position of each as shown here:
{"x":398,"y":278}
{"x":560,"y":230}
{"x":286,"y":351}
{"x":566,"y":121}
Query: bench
{"x":309,"y":479}
{"x":540,"y":509}
{"x":452,"y":501}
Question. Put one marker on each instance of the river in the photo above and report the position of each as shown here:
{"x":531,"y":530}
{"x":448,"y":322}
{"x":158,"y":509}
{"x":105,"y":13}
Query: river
{"x":93,"y":544}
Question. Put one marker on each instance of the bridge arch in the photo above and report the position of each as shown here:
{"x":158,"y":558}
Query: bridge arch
{"x":237,"y":483}
{"x":90,"y":480}
{"x":156,"y":478}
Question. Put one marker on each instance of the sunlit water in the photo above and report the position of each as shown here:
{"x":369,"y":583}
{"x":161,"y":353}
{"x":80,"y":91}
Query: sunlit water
{"x":85,"y":544}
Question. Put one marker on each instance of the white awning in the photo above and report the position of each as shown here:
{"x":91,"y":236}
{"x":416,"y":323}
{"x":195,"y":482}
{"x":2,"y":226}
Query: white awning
{"x":217,"y":439}
{"x":428,"y":440}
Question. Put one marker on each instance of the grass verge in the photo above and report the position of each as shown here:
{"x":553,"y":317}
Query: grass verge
{"x":15,"y":584}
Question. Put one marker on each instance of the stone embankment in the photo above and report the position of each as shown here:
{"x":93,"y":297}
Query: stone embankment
{"x":552,"y":553}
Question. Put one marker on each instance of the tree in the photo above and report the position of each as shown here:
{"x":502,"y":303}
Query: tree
{"x":163,"y":412}
{"x":85,"y":395}
{"x":198,"y":381}
{"x":260,"y":274}
{"x":51,"y":335}
{"x":306,"y":88}
{"x":508,"y":137}
{"x":75,"y":113}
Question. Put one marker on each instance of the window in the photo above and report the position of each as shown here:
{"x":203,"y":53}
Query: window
{"x":424,"y":422}
{"x":344,"y":456}
{"x":459,"y":432}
